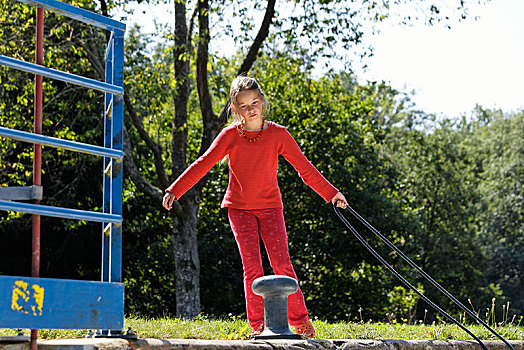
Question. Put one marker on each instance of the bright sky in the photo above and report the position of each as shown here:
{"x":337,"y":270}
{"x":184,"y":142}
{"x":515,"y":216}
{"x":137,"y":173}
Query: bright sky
{"x":450,"y":70}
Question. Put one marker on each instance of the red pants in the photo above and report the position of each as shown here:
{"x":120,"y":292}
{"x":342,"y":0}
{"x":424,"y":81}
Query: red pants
{"x":246,"y":226}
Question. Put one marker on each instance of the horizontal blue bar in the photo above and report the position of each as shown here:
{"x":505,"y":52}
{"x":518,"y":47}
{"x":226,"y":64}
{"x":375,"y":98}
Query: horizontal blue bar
{"x":78,"y":14}
{"x":59,"y":75}
{"x":59,"y":212}
{"x":46,"y":303}
{"x":59,"y":143}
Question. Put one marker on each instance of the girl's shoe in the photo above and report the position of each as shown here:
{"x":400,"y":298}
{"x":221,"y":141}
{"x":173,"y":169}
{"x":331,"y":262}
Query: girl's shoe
{"x":306,"y":329}
{"x":257,"y":331}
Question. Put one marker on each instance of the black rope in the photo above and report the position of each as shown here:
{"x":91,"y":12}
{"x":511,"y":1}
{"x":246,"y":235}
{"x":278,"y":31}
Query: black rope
{"x":402,"y":279}
{"x":428,"y":277}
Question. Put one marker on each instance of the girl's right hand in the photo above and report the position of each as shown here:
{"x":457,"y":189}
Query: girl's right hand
{"x":340,"y":201}
{"x":168,"y":200}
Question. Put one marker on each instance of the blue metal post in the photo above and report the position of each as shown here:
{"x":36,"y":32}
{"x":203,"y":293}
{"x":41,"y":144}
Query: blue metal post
{"x":107,"y":171}
{"x":117,"y":176}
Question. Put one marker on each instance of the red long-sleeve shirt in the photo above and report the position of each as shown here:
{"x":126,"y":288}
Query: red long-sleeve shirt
{"x":253,"y":168}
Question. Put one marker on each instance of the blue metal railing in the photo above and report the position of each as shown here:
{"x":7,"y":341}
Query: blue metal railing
{"x":59,"y":75}
{"x":95,"y":312}
{"x":61,"y":143}
{"x":65,"y":213}
{"x":79,"y":14}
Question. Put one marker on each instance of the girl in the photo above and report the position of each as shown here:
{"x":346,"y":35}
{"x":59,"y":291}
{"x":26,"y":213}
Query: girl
{"x":252,"y":146}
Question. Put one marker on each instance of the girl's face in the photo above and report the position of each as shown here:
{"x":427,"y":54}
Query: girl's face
{"x":249,"y":105}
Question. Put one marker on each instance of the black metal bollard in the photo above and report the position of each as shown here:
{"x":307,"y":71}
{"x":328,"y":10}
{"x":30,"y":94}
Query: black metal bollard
{"x":275,"y":290}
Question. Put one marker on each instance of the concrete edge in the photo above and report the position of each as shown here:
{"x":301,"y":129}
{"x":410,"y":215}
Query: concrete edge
{"x":316,"y":344}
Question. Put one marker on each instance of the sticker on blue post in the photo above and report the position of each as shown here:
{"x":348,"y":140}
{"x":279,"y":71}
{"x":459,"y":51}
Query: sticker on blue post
{"x":27,"y":299}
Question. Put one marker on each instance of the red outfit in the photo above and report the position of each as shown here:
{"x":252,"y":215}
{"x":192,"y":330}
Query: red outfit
{"x":255,"y":204}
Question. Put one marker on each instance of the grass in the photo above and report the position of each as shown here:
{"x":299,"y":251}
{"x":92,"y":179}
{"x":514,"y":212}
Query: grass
{"x":237,"y":328}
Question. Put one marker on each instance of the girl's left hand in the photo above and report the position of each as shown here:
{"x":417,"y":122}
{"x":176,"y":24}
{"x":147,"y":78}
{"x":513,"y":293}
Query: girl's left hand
{"x":340,"y":200}
{"x":167,"y":201}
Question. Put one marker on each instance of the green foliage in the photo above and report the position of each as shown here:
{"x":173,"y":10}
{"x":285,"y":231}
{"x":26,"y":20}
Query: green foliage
{"x":402,"y":304}
{"x":339,"y":132}
{"x":16,"y":91}
{"x":441,"y":195}
{"x":449,"y":196}
{"x":467,"y":206}
{"x":359,"y":119}
{"x":149,"y":84}
{"x":496,"y":152}
{"x":148,"y":266}
{"x":416,"y":187}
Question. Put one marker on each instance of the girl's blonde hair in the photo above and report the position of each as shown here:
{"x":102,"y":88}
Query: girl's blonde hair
{"x":243,"y":83}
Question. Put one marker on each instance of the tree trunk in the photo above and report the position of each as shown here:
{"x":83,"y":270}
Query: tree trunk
{"x":184,"y":239}
{"x":185,"y":211}
{"x":187,"y":261}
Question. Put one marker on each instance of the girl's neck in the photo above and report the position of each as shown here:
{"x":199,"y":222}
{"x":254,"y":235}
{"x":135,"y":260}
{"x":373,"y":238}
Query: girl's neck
{"x":255,"y":125}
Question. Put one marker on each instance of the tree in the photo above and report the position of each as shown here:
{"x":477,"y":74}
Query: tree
{"x":440,"y":189}
{"x":337,"y":126}
{"x":324,"y":23}
{"x":495,"y":146}
{"x":163,"y":144}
